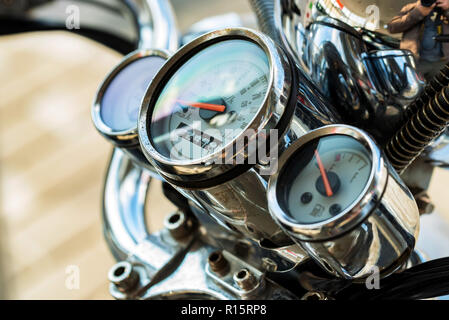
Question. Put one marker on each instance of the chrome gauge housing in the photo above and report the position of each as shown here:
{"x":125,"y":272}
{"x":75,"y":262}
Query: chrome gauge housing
{"x":363,"y":203}
{"x":338,"y":198}
{"x":267,"y":64}
{"x":116,"y":105}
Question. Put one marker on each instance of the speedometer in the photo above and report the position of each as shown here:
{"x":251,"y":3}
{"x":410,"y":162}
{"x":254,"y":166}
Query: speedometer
{"x":211,"y":101}
{"x":118,"y":99}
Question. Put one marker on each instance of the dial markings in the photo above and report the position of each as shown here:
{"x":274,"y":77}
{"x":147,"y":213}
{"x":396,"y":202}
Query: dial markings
{"x":335,"y":174}
{"x":219,"y":96}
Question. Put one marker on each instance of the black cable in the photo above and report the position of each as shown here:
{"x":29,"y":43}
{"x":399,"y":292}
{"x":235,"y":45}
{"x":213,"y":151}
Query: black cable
{"x":430,"y":287}
{"x":13,"y":25}
{"x":427,"y":280}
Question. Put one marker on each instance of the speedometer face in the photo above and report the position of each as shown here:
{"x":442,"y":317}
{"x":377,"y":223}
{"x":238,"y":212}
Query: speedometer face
{"x":210,"y":100}
{"x":325,"y":178}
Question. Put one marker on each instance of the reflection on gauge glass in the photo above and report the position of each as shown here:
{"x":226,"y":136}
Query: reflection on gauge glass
{"x":210,"y":100}
{"x":122,"y":98}
{"x":324,"y":178}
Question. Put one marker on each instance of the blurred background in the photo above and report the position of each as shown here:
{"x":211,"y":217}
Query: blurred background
{"x":53,"y":161}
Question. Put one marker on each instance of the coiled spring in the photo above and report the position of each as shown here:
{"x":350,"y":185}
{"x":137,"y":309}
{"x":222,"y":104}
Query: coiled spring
{"x":432,"y":88}
{"x":423,"y":127}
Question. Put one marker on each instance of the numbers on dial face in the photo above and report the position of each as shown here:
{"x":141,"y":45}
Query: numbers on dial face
{"x":336,"y":174}
{"x":202,"y":132}
{"x":210,"y":100}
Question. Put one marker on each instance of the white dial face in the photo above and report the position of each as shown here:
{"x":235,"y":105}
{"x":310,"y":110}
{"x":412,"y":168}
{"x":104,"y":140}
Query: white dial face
{"x":210,"y":100}
{"x":333,"y":174}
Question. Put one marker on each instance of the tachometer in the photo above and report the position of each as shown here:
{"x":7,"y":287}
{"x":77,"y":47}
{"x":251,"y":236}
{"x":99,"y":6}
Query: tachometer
{"x":343,"y":203}
{"x":117,"y":102}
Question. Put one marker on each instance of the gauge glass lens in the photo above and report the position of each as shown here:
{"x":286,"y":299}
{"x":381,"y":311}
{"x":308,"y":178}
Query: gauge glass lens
{"x":210,"y":100}
{"x":123,"y":96}
{"x":324,"y":179}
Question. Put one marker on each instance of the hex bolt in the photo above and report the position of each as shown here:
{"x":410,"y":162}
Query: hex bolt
{"x":245,"y":280}
{"x":218,"y":263}
{"x":123,"y":275}
{"x":178,"y":225}
{"x":269,"y":265}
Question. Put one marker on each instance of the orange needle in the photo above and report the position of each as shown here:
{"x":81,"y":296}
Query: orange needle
{"x":202,"y":105}
{"x":327,"y":185}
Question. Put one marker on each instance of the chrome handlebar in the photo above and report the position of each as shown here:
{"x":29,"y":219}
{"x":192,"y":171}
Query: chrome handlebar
{"x":125,"y":190}
{"x":156,"y":24}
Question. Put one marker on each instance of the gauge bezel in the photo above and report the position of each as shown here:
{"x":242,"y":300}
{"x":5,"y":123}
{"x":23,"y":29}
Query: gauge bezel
{"x":194,"y":172}
{"x":360,"y":208}
{"x":128,"y":137}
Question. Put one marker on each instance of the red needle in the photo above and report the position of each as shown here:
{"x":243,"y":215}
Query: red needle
{"x":202,"y":105}
{"x":327,"y":185}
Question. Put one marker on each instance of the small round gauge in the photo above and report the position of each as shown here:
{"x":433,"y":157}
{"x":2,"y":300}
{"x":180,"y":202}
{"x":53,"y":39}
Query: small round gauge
{"x":210,"y":100}
{"x":337,"y":197}
{"x":329,"y":180}
{"x":121,"y":100}
{"x":116,"y":108}
{"x":325,"y":178}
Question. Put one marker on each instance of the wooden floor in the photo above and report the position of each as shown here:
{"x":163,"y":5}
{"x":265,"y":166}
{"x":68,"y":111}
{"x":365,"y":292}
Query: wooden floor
{"x":53,"y":163}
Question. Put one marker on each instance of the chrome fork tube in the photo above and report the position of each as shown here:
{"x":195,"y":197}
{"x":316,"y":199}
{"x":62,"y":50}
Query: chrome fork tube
{"x":125,"y":190}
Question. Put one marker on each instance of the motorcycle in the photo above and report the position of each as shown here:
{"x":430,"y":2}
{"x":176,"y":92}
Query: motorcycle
{"x":298,"y":155}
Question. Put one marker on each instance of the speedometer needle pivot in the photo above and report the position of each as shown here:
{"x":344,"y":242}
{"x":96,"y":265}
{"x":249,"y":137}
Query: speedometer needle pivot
{"x":327,"y":185}
{"x":205,"y":106}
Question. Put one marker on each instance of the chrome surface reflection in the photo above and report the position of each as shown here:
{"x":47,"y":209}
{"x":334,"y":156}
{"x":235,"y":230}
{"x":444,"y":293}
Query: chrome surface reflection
{"x":370,"y":88}
{"x":155,"y":24}
{"x":293,"y":106}
{"x":230,"y":211}
{"x":379,"y":230}
{"x":367,"y":78}
{"x":128,"y":239}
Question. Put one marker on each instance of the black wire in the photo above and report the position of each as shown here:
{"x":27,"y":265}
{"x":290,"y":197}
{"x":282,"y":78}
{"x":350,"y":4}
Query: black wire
{"x":12,"y":25}
{"x":426,"y":280}
{"x":430,"y":288}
